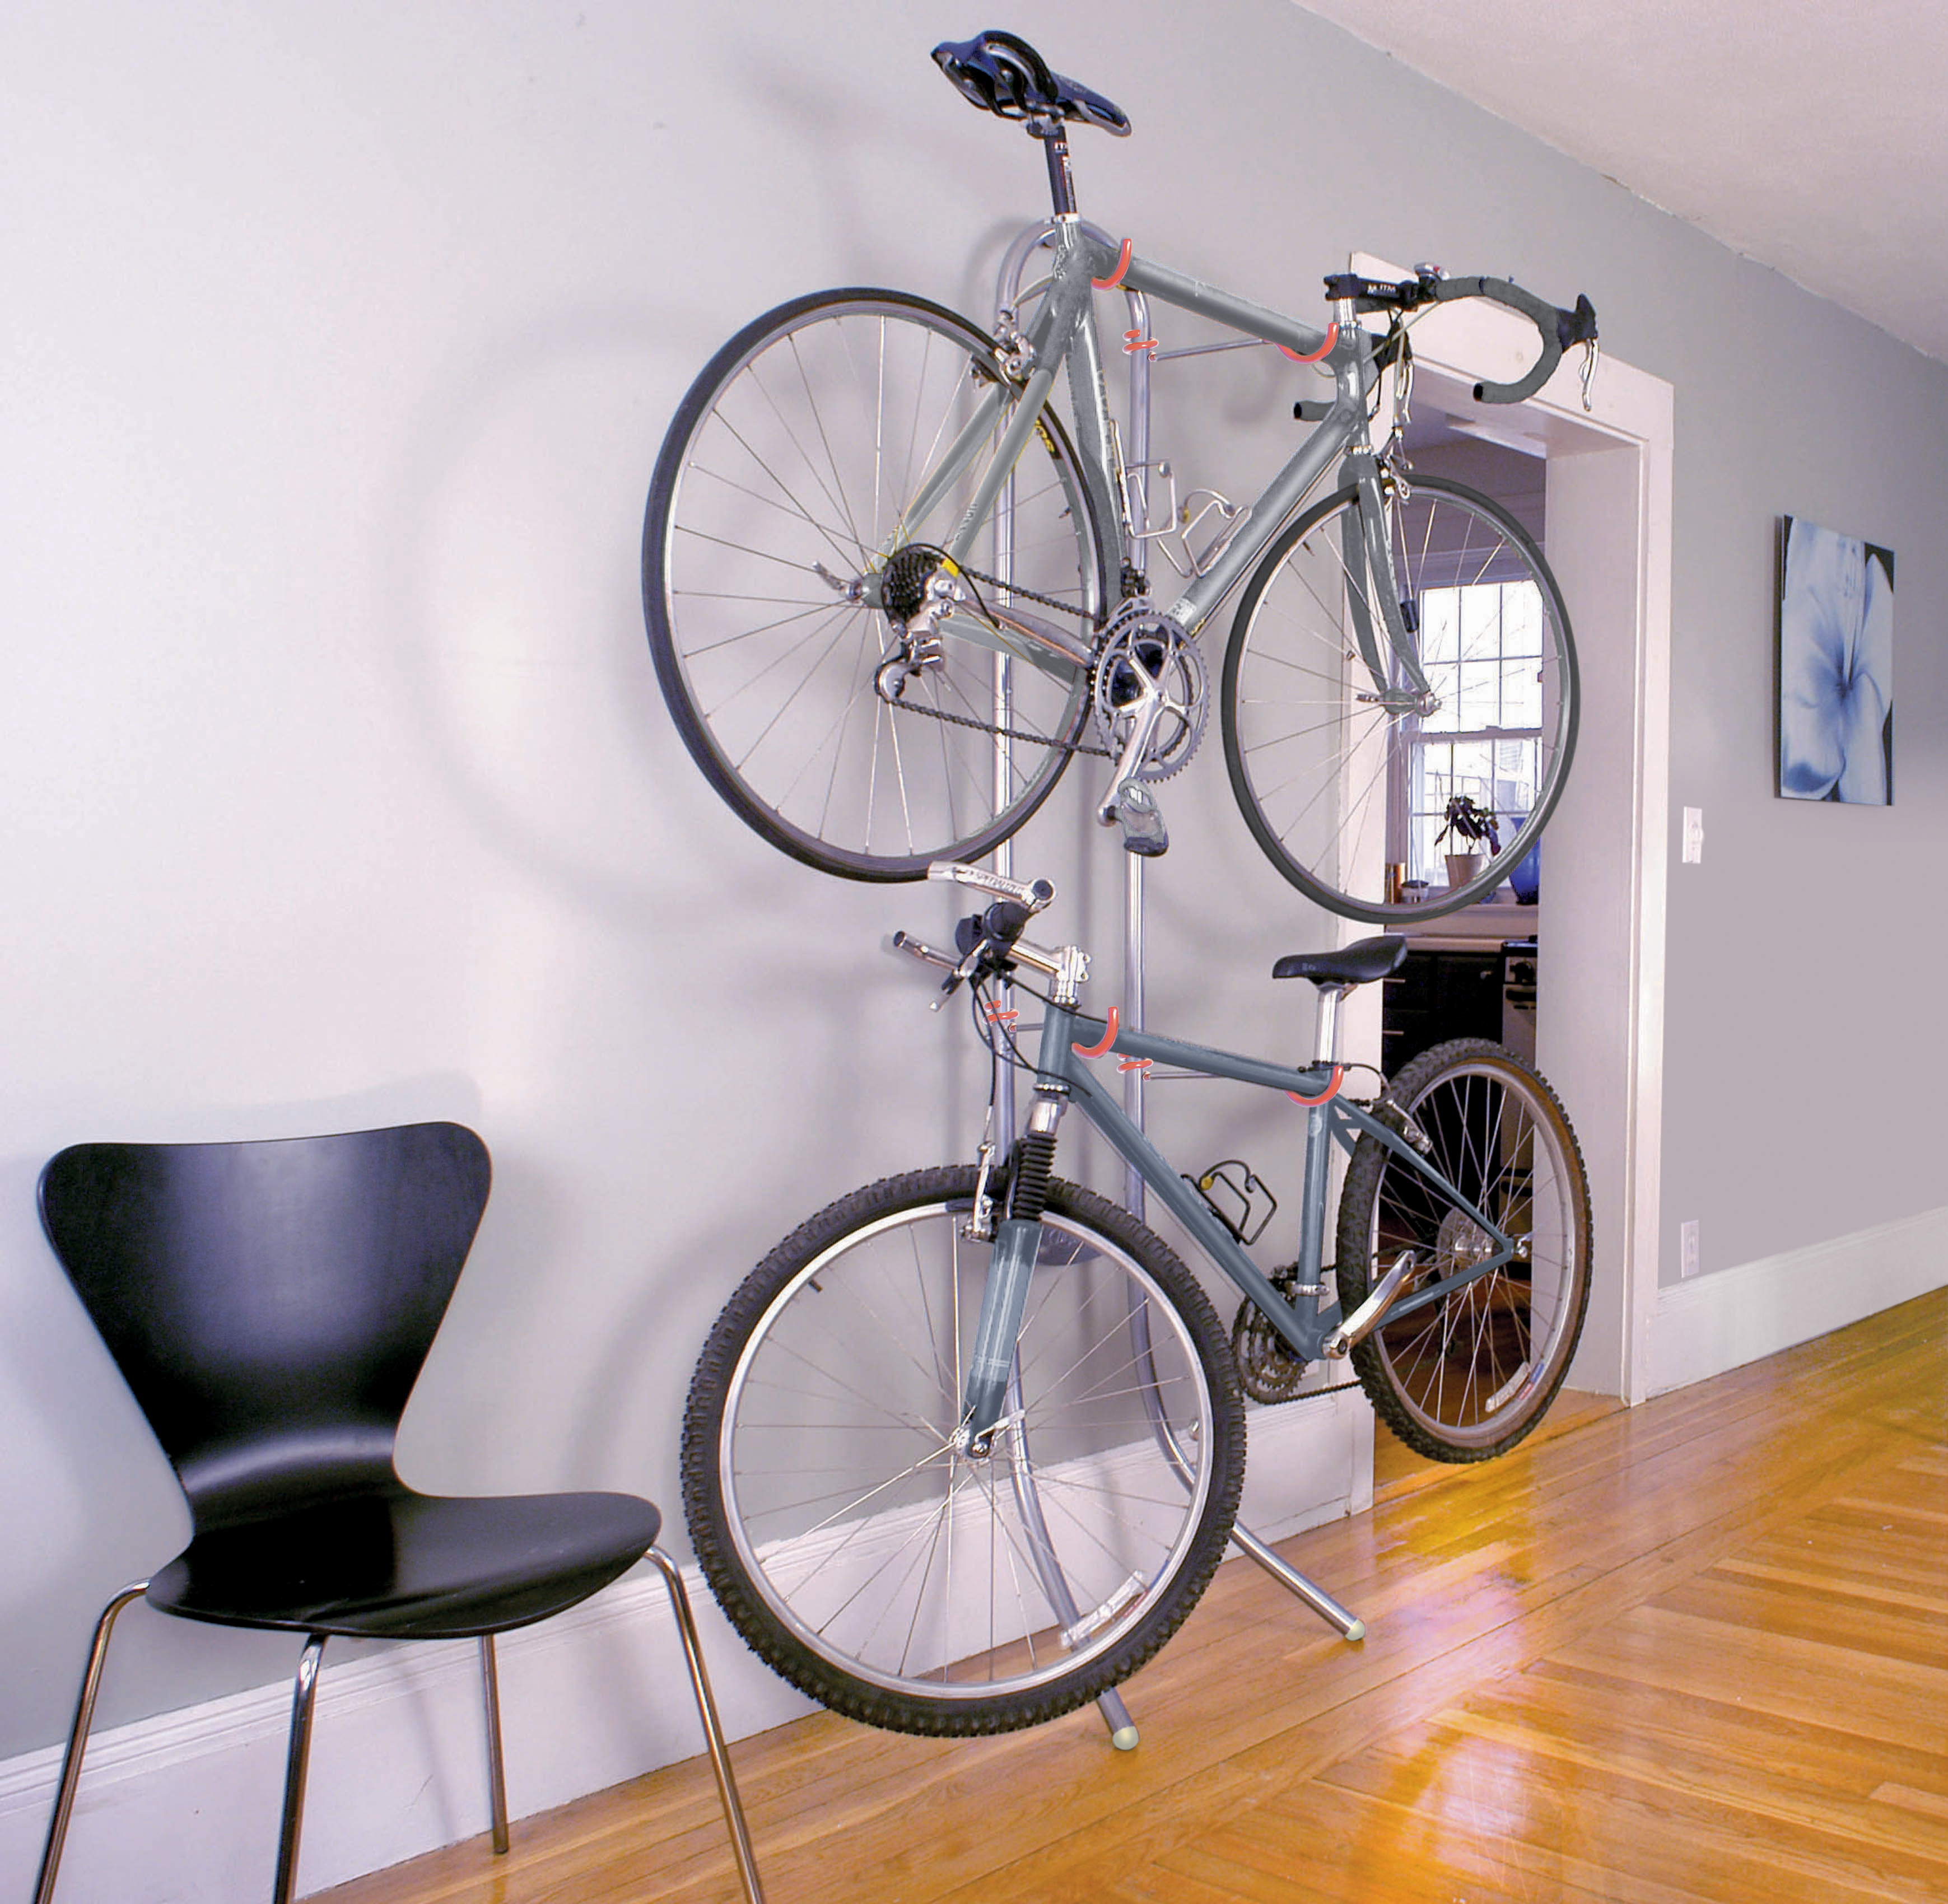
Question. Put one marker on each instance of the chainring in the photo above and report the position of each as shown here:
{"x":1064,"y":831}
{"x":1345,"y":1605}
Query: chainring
{"x":1268,"y":1369}
{"x":1144,"y":652}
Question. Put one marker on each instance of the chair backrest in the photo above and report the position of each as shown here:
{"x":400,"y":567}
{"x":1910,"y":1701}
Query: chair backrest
{"x":271,"y":1304}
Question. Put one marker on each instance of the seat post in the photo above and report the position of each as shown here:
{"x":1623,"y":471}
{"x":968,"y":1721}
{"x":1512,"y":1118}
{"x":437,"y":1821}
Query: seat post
{"x":1054,"y":137}
{"x":1326,"y":1044}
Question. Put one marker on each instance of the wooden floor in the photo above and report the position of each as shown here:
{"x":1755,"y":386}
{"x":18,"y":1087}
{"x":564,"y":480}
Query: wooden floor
{"x":1695,"y":1650}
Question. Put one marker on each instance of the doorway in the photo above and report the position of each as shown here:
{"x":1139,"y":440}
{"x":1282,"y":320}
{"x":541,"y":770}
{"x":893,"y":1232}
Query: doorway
{"x":1599,"y":1029}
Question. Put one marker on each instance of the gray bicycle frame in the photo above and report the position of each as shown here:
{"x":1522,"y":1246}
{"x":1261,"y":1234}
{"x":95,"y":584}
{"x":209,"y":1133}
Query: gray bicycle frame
{"x":1064,"y":331}
{"x":1062,"y":1073}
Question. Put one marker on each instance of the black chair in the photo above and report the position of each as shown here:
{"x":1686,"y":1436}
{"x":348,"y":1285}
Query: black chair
{"x":270,"y":1305}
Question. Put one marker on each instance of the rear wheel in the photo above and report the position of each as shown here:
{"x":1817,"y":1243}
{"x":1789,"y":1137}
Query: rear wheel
{"x":785,"y":487}
{"x":1468,"y":1376}
{"x":867,"y":1555}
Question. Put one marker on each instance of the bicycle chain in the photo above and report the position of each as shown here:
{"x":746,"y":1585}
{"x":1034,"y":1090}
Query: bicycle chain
{"x":988,"y":727}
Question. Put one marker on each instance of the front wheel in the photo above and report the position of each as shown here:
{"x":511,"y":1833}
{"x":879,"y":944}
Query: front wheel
{"x":1468,"y":1376}
{"x":1341,"y":772}
{"x":867,"y":1555}
{"x":786,"y":509}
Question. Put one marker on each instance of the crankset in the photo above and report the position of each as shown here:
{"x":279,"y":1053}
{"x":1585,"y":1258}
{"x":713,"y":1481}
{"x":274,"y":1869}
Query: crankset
{"x":1268,"y":1369}
{"x":1151,"y":693}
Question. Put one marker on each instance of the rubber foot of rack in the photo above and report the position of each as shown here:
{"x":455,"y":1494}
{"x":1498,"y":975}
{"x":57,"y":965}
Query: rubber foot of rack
{"x":1357,"y":1630}
{"x":1124,"y":1738}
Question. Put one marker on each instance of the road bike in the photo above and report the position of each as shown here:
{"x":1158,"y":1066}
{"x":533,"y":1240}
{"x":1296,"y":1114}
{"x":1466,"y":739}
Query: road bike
{"x":962,"y":1453}
{"x":891,"y":589}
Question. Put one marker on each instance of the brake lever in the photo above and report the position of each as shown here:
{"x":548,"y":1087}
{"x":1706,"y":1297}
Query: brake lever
{"x":958,"y":971}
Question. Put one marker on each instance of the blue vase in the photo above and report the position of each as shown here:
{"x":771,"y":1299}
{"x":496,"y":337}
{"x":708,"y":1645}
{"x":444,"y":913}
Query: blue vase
{"x":1526,"y":880}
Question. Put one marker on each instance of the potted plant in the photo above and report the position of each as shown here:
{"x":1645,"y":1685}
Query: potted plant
{"x":1467,"y":823}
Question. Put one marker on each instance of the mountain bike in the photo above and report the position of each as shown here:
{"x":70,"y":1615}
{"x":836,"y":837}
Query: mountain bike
{"x":962,"y":1453}
{"x":891,"y":590}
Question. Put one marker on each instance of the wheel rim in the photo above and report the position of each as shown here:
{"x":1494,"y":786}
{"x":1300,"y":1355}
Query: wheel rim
{"x":1336,"y":788}
{"x":816,"y":437}
{"x":911,"y":1568}
{"x":1470,"y":1367}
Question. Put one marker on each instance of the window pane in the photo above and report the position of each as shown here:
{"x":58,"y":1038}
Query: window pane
{"x":1480,"y":703}
{"x":1440,"y":624}
{"x":1474,"y":772}
{"x":1522,"y":618}
{"x":1481,"y":620}
{"x":1446,"y":682}
{"x":1521,"y":694}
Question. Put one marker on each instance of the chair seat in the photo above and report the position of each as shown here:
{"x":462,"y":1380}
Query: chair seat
{"x":393,"y":1564}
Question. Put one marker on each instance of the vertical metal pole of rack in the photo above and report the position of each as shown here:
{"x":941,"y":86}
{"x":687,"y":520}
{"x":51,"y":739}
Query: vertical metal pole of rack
{"x":1014,"y":264}
{"x":1123,"y":1734}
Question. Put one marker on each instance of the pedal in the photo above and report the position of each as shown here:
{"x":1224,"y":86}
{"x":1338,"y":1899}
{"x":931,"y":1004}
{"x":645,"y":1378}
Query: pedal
{"x":1356,"y":1327}
{"x":1135,"y":810}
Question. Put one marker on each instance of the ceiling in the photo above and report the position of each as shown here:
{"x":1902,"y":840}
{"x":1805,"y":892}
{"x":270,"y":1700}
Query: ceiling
{"x":1811,"y":138}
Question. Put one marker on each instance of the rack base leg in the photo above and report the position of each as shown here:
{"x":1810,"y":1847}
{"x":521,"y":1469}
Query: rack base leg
{"x":1123,"y":1734}
{"x":1349,"y":1626}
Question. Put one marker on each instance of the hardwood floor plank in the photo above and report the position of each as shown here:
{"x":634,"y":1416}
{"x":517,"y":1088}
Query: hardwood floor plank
{"x":1695,"y":1651}
{"x":1654,"y":1833}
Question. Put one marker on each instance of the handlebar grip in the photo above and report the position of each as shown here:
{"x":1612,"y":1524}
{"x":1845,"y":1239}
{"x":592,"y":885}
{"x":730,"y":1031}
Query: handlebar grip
{"x":1541,"y":313}
{"x":919,"y":949}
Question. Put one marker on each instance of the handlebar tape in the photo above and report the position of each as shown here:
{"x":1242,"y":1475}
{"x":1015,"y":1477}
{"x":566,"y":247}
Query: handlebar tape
{"x":1541,"y":313}
{"x":1558,"y":329}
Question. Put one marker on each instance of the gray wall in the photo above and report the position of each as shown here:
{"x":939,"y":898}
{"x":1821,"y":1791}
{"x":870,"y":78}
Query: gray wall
{"x":338,"y":346}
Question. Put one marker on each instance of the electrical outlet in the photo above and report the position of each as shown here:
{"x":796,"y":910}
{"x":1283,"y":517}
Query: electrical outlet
{"x":1687,"y":1249}
{"x":1693,"y":835}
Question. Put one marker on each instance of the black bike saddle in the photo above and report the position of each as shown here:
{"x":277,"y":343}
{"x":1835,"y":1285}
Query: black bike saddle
{"x":1002,"y":73}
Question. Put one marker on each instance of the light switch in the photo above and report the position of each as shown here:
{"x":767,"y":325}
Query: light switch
{"x":1693,"y":835}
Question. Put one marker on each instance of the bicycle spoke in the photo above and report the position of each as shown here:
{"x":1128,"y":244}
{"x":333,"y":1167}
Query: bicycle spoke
{"x":837,"y":491}
{"x":835,"y":542}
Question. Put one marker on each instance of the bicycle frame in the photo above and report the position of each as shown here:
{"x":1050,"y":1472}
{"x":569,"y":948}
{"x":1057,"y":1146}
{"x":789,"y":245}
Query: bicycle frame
{"x":1063,"y":332}
{"x":1063,"y":1077}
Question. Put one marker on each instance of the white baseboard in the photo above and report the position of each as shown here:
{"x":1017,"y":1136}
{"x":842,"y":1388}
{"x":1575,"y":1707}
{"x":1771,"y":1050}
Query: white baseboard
{"x":1308,"y":1461}
{"x":182,"y":1808}
{"x":1715,"y":1323}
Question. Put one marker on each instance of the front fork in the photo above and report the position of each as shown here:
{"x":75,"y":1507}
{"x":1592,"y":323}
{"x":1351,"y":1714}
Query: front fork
{"x":1017,"y":1243}
{"x":1366,"y":550}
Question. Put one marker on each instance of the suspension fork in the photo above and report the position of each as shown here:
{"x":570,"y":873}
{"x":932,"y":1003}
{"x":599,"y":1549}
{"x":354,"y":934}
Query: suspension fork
{"x":1017,"y":1242}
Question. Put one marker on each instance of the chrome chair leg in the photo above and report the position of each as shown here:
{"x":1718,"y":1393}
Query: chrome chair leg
{"x":77,"y":1739}
{"x":713,"y":1731}
{"x":496,"y":1775}
{"x":296,"y":1763}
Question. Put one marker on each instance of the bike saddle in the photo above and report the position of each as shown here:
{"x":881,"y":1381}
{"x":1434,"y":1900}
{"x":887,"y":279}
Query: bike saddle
{"x":1358,"y":964}
{"x":1003,"y":74}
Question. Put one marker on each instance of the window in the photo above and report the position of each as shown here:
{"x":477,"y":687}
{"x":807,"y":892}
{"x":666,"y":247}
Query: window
{"x":1482,"y":645}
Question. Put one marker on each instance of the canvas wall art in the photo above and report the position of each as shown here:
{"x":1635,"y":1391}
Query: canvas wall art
{"x":1835,"y":667}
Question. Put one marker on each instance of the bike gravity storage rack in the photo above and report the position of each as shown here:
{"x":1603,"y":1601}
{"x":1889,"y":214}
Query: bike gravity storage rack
{"x":1142,"y":350}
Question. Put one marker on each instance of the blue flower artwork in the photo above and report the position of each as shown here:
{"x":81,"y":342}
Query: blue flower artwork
{"x":1835,"y":668}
